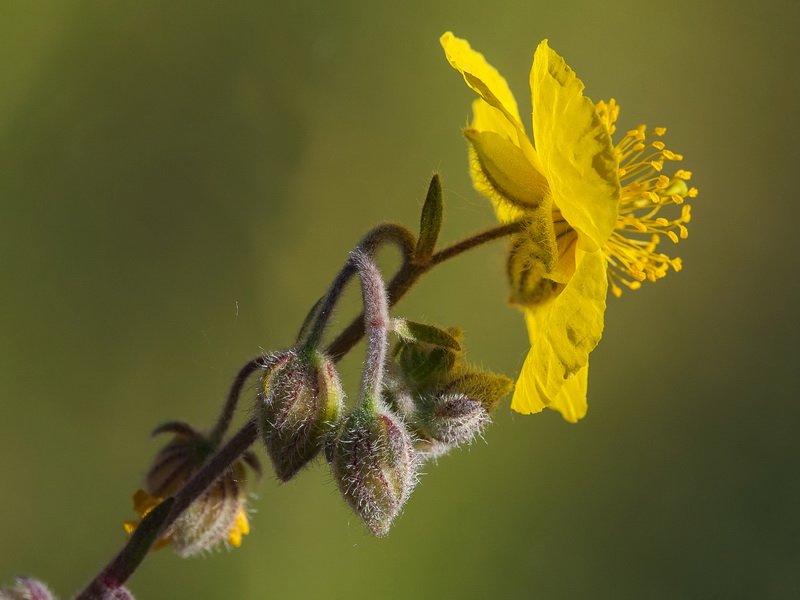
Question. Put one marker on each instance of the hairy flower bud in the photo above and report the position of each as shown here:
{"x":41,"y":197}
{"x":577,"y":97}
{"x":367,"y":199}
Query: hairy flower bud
{"x":217,"y":516}
{"x":453,"y":419}
{"x":26,"y":588}
{"x":458,"y":410}
{"x":300,"y":401}
{"x":374,"y":464}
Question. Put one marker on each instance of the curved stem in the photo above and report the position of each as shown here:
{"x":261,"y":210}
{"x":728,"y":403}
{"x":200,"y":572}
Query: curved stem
{"x":477,"y":240}
{"x":376,"y":321}
{"x":408,"y":275}
{"x":234,"y":393}
{"x":369,"y":245}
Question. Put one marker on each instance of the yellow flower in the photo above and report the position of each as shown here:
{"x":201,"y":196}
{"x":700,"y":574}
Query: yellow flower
{"x":591,"y":211}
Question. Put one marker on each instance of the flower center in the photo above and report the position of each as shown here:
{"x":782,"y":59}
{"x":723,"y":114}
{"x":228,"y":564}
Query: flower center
{"x":648,"y":206}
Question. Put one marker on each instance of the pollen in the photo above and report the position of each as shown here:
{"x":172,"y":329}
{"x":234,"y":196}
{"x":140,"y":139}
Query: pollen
{"x":648,"y":209}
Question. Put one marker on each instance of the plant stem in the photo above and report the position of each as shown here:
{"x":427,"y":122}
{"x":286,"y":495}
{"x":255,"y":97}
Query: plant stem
{"x":235,"y":392}
{"x":369,"y":245}
{"x":376,"y":310}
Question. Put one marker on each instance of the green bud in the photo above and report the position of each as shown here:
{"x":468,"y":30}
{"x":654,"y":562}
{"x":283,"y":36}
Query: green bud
{"x":26,"y":588}
{"x":374,"y":464}
{"x":300,"y":400}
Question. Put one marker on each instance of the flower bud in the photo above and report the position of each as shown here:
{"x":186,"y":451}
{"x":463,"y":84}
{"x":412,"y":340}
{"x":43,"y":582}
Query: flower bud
{"x":217,"y":516}
{"x":374,"y":464}
{"x":26,"y":588}
{"x":458,"y":412}
{"x":301,"y":399}
{"x":453,"y":419}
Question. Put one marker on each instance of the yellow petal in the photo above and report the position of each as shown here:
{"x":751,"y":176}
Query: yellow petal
{"x":575,"y":149}
{"x":488,"y":118}
{"x":143,"y":502}
{"x":502,"y":172}
{"x":563,"y":332}
{"x":240,"y":527}
{"x":571,"y":400}
{"x":482,"y":77}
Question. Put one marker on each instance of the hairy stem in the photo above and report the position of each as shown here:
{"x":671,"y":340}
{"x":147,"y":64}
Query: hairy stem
{"x":369,"y":245}
{"x":234,"y":393}
{"x":376,"y":317}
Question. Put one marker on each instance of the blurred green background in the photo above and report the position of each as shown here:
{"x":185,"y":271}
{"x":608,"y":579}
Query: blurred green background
{"x":180,"y":180}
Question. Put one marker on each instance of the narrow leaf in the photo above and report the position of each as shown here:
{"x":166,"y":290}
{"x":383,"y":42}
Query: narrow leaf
{"x":430,"y":222}
{"x":419,"y":332}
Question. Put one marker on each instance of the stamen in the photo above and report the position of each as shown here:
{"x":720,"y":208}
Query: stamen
{"x":646,"y":192}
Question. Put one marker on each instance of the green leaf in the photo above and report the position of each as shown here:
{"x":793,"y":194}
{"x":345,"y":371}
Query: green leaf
{"x":419,"y":332}
{"x":430,"y":222}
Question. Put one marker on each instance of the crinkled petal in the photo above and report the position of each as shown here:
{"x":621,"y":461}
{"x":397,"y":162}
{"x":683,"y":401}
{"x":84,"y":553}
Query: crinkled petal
{"x":502,"y":172}
{"x":571,"y":399}
{"x":482,"y":77}
{"x":575,"y":149}
{"x":563,"y":332}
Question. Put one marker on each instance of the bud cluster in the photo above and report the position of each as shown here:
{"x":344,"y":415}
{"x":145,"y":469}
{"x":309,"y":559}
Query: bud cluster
{"x":444,"y":401}
{"x":431,"y":402}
